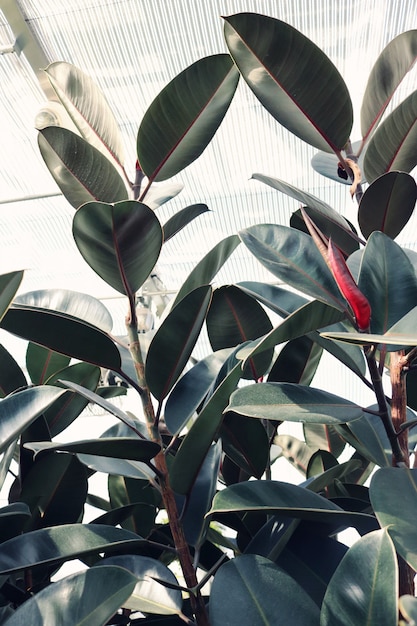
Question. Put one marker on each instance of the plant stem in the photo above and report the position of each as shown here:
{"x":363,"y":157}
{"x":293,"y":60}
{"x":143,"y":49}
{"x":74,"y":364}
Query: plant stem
{"x":168,"y":497}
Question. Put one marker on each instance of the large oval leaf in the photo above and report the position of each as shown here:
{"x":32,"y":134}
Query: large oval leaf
{"x":297,"y":362}
{"x":294,"y":80}
{"x":397,"y":58}
{"x":387,"y":204}
{"x":9,"y":284}
{"x":393,"y":147}
{"x":81,"y":171}
{"x":21,"y":409}
{"x":294,"y":403}
{"x":393,"y":497}
{"x":89,"y":597}
{"x":183,"y":118}
{"x":174,"y":341}
{"x":293,"y":257}
{"x":114,"y":447}
{"x":63,"y":334}
{"x":363,"y":590}
{"x":248,"y":591}
{"x":121,"y":242}
{"x":87,"y":107}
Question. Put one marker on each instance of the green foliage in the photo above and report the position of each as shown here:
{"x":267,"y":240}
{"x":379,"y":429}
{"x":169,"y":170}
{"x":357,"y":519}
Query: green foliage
{"x":194,"y":478}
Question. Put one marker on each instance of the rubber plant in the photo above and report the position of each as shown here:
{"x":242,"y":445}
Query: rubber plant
{"x":190,"y":475}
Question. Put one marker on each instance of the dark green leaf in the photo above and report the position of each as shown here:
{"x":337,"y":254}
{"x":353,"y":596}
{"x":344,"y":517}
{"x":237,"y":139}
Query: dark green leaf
{"x":292,"y":402}
{"x":125,"y":491}
{"x":12,"y":520}
{"x":370,"y":433}
{"x":245,"y":441}
{"x":207,"y":268}
{"x":293,"y":79}
{"x":63,"y":334}
{"x":89,"y":597}
{"x":320,"y":462}
{"x":248,"y":591}
{"x":11,"y":375}
{"x":81,"y":171}
{"x":9,"y":284}
{"x":174,"y":341}
{"x":387,"y":204}
{"x":363,"y":590}
{"x":297,"y":362}
{"x":182,"y":218}
{"x":41,"y":363}
{"x":293,"y":257}
{"x":185,"y":115}
{"x":393,"y":145}
{"x":397,"y":58}
{"x":117,"y":447}
{"x":21,"y":409}
{"x":121,"y":242}
{"x":280,"y":300}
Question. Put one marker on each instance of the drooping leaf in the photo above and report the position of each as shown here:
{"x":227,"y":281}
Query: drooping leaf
{"x":115,"y":447}
{"x":396,"y":513}
{"x":41,"y":363}
{"x":181,"y":219}
{"x":297,"y":362}
{"x":81,"y":171}
{"x":239,"y":585}
{"x":9,"y":284}
{"x":328,"y":165}
{"x":73,"y":303}
{"x":185,"y":115}
{"x":11,"y":374}
{"x":64,"y":334}
{"x":62,"y":543}
{"x":292,"y":402}
{"x":293,"y":257}
{"x":392,"y":147}
{"x":363,"y":589}
{"x":331,"y":223}
{"x":207,"y":268}
{"x":120,"y":242}
{"x":21,"y":409}
{"x":174,"y":341}
{"x":397,"y":58}
{"x":89,"y":597}
{"x":382,"y":262}
{"x":293,"y":79}
{"x":149,"y":595}
{"x":87,"y":107}
{"x":387,"y":204}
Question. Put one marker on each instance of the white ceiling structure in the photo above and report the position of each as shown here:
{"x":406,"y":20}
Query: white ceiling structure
{"x":132,"y":49}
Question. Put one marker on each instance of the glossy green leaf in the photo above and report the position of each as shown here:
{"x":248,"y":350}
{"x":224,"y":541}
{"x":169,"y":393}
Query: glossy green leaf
{"x":387,"y":204}
{"x":293,"y":257}
{"x":89,"y":597}
{"x":117,"y":447}
{"x":72,"y":303}
{"x":408,"y":608}
{"x":293,"y":79}
{"x":67,"y":408}
{"x":64,"y":334}
{"x":320,"y":462}
{"x":11,"y":374}
{"x":392,"y":341}
{"x":250,"y":590}
{"x":62,"y":543}
{"x":21,"y":409}
{"x":392,"y":147}
{"x":13,"y":519}
{"x":174,"y":341}
{"x":284,"y":499}
{"x":234,"y":318}
{"x":210,"y":264}
{"x":87,"y":107}
{"x":331,"y":223}
{"x":182,"y":218}
{"x":120,"y":242}
{"x":203,"y":432}
{"x":185,"y":115}
{"x":117,"y":467}
{"x":324,"y":437}
{"x":191,"y":389}
{"x":41,"y":363}
{"x":46,"y":487}
{"x":127,"y":491}
{"x":292,"y":402}
{"x":149,"y":595}
{"x":245,"y":441}
{"x":297,"y":362}
{"x":81,"y":171}
{"x":397,"y":58}
{"x":382,"y":262}
{"x":363,"y":590}
{"x":9,"y":284}
{"x":396,"y":513}
{"x":373,"y":440}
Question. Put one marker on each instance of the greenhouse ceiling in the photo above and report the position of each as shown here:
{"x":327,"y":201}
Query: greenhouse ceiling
{"x":132,"y":48}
